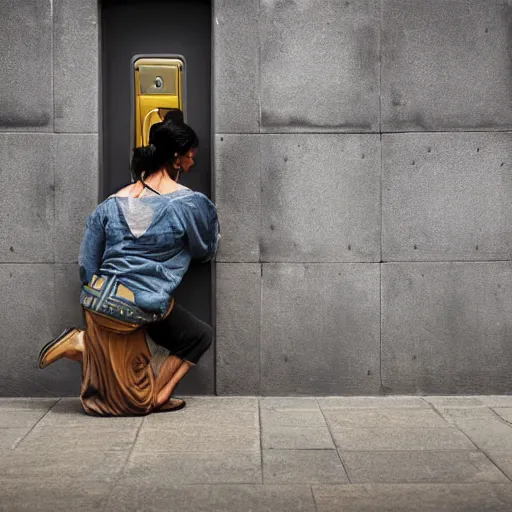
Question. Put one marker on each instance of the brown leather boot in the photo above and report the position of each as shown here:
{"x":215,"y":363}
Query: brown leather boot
{"x":68,"y":344}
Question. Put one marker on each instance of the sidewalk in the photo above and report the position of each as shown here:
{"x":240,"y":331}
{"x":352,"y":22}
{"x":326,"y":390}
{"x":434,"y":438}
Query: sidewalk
{"x":399,"y":454}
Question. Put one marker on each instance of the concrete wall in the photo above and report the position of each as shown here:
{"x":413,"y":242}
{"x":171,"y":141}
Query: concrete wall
{"x":364,"y":183}
{"x":49,"y":174}
{"x":363,"y":179}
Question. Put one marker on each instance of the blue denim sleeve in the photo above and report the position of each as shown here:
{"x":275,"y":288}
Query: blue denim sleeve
{"x":92,"y":247}
{"x":202,"y":227}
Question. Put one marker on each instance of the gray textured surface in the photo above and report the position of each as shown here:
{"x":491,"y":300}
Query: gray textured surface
{"x":447,"y":196}
{"x":179,"y":468}
{"x":446,"y":65}
{"x":27,"y":206}
{"x":238,"y":196}
{"x":26,"y":64}
{"x":446,"y":327}
{"x":213,"y":498}
{"x":42,"y":494}
{"x":238,"y":328}
{"x":236,"y":66}
{"x":68,"y":311}
{"x":475,"y":497}
{"x":421,"y":467}
{"x":302,"y":466}
{"x":403,"y":439}
{"x":489,"y":434}
{"x":383,"y":417}
{"x":65,"y":451}
{"x":31,"y":316}
{"x":320,"y":198}
{"x":296,"y":438}
{"x":320,"y":329}
{"x":76,"y":191}
{"x":198,"y":438}
{"x":320,"y":65}
{"x":76,"y":66}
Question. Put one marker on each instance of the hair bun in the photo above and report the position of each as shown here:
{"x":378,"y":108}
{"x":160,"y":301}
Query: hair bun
{"x":147,"y":151}
{"x":175,"y":115}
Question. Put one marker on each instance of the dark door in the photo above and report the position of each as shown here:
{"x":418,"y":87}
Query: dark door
{"x":148,"y":27}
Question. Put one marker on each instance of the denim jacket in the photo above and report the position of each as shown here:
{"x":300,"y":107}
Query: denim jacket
{"x":149,"y":242}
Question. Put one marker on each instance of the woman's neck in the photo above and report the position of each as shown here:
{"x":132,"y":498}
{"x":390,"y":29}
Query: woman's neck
{"x":162,"y":182}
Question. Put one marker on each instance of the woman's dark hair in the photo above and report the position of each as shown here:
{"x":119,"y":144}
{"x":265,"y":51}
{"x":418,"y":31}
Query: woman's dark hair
{"x":168,"y":139}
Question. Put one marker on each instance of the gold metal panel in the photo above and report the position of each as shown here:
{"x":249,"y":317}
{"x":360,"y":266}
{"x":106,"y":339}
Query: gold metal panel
{"x":158,"y":87}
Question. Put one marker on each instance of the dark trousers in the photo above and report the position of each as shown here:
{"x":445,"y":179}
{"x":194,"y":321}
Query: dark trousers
{"x":182,"y":334}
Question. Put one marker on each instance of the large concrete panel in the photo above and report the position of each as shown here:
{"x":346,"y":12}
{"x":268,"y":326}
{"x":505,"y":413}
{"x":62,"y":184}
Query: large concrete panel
{"x":26,"y":316}
{"x":76,"y":191}
{"x":447,"y":196}
{"x":27,"y":313}
{"x":238,"y":328}
{"x":27,"y":206}
{"x":320,"y":198}
{"x":446,"y":327}
{"x":238,"y":198}
{"x":320,"y":331}
{"x":320,"y":65}
{"x":75,"y":65}
{"x":236,"y":66}
{"x":26,"y":62}
{"x":446,"y":65}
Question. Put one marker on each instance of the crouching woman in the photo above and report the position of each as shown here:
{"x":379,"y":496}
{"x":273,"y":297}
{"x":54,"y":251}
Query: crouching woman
{"x":137,"y":247}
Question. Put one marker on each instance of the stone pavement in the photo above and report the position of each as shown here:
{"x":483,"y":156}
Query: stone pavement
{"x":261,"y":454}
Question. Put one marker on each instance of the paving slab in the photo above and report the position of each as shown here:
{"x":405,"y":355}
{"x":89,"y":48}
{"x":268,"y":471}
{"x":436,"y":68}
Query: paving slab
{"x":20,"y":419}
{"x":198,"y":438}
{"x":420,"y":467}
{"x":345,"y":418}
{"x":179,"y":468}
{"x":502,"y":459}
{"x":455,"y":401}
{"x":222,"y":403}
{"x":24,"y":404}
{"x":68,"y":413}
{"x":477,"y":497}
{"x":292,"y":418}
{"x":289,"y":403}
{"x":244,"y":419}
{"x":302,"y":466}
{"x":488,"y":433}
{"x":397,"y":438}
{"x":456,"y":414}
{"x":54,"y":464}
{"x":370,"y":402}
{"x":59,"y":439}
{"x":212,"y":498}
{"x":41,"y":494}
{"x":296,"y":438}
{"x":10,"y":437}
{"x":497,"y":400}
{"x":504,"y":412}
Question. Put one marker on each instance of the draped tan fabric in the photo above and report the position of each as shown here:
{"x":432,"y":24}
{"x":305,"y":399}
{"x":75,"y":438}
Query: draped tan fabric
{"x":117,"y":377}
